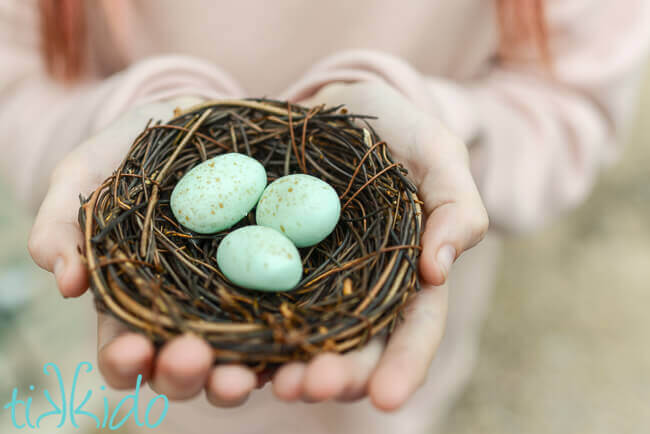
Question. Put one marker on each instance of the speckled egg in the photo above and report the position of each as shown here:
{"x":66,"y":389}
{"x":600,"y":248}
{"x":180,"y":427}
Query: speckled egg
{"x":302,"y":207}
{"x":261,"y":258}
{"x":218,"y":193}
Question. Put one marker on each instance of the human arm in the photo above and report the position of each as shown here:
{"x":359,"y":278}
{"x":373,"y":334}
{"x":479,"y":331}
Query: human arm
{"x":538,"y":135}
{"x":60,"y":140}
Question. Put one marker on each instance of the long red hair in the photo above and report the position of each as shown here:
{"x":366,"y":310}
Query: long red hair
{"x":522,"y":23}
{"x":63,"y":37}
{"x":63,"y":32}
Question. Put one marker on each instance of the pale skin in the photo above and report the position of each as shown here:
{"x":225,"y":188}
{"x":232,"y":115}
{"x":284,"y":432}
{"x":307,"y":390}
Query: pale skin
{"x":388,"y":372}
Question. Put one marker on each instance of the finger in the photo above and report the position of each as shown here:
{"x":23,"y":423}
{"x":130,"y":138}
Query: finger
{"x":410,"y":350}
{"x":121,"y":354}
{"x":358,"y":367}
{"x":55,"y":238}
{"x":182,"y":367}
{"x":287,"y":382}
{"x":230,"y":385}
{"x":456,"y":219}
{"x":324,"y":377}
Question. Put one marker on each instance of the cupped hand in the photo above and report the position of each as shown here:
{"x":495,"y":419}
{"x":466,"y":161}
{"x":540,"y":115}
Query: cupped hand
{"x":389,"y":373}
{"x":184,"y":366}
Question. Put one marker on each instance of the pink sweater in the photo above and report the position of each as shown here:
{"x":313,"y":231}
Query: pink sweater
{"x":537,"y":140}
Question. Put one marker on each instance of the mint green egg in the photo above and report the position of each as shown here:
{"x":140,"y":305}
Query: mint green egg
{"x":302,"y":207}
{"x":218,"y":192}
{"x":260,"y":258}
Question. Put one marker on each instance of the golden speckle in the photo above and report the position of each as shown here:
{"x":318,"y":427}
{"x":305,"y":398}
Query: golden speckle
{"x":187,"y":218}
{"x":290,"y":190}
{"x":212,"y":212}
{"x":220,"y":205}
{"x":282,"y":228}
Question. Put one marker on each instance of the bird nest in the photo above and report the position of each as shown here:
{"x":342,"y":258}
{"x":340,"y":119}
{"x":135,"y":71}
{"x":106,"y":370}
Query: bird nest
{"x":163,"y":280}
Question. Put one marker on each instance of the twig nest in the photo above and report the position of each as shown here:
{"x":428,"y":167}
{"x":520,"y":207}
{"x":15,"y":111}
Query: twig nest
{"x":162,"y":276}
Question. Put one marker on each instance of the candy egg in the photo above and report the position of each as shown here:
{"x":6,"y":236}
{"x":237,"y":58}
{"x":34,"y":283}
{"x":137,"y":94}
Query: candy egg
{"x":302,"y":207}
{"x":218,"y":193}
{"x":261,"y":258}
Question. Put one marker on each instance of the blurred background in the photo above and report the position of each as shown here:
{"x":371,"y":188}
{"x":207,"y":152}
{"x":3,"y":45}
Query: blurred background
{"x":565,"y":348}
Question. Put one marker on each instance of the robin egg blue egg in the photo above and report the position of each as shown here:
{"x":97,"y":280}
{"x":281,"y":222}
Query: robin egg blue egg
{"x":218,"y":192}
{"x":302,"y":207}
{"x":260,"y":258}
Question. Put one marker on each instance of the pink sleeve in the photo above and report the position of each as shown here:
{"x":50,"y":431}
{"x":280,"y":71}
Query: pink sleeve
{"x":41,"y":120}
{"x":537,"y":138}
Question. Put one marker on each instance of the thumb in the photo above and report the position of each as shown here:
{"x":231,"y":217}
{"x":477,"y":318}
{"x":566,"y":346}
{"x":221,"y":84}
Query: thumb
{"x":55,"y":239}
{"x":456,"y":220}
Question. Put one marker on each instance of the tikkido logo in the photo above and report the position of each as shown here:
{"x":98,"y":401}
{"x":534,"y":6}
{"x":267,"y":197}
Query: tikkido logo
{"x":68,"y":411}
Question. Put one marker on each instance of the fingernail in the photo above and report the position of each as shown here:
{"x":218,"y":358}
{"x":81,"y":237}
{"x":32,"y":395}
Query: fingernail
{"x":59,"y":266}
{"x":446,"y":256}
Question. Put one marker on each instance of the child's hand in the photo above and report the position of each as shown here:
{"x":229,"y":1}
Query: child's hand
{"x":183,"y":367}
{"x":456,"y":218}
{"x":455,"y":221}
